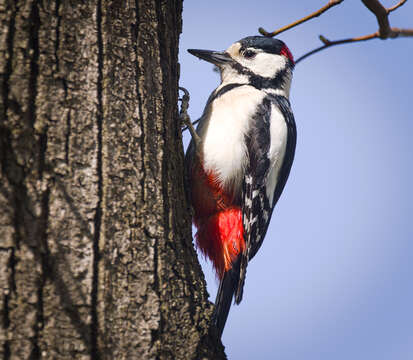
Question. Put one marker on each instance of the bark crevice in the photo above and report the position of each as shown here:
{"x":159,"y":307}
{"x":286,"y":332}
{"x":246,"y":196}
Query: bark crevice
{"x":43,"y":255}
{"x":8,"y":67}
{"x":68,"y":133}
{"x":57,"y":35}
{"x":5,"y":148}
{"x":6,"y":315}
{"x":34,"y":61}
{"x":95,"y":353}
{"x":135,"y":34}
{"x":59,"y":76}
{"x":165,"y":164}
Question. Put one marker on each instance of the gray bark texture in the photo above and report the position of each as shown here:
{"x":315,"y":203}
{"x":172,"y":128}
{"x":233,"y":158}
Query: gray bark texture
{"x":96,"y":254}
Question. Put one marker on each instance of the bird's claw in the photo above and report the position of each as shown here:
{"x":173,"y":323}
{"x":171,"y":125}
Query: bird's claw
{"x":186,"y":120}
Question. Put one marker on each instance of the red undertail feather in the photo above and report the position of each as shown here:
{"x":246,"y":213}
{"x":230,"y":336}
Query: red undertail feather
{"x":218,"y":220}
{"x":220,"y":238}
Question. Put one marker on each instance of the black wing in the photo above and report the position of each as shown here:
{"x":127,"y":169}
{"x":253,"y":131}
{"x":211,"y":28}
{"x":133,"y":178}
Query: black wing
{"x":256,"y":209}
{"x":258,"y":141}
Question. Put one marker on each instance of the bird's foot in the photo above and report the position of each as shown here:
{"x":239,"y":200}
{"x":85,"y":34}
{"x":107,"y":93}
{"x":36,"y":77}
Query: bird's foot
{"x":186,"y":120}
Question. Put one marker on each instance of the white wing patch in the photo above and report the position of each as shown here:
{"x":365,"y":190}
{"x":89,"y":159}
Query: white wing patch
{"x":278,"y":134}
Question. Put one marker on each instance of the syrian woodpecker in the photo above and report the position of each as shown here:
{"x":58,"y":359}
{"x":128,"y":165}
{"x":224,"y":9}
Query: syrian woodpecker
{"x":241,"y":159}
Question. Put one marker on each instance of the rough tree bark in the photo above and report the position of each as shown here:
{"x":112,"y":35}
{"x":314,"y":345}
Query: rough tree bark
{"x":96,"y":257}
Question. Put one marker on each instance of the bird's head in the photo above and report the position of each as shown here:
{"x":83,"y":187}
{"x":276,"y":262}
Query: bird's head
{"x":263,"y":62}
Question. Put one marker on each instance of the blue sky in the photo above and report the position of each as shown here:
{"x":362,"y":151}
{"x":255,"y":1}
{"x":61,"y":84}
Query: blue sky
{"x":334,"y":278}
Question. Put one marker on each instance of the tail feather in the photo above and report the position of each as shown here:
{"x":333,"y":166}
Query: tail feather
{"x":226,"y":290}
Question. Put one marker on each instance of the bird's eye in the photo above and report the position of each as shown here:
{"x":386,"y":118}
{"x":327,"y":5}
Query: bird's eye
{"x":249,"y":54}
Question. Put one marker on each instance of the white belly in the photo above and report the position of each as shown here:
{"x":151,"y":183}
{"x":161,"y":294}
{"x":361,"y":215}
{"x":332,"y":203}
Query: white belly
{"x":225,"y":153}
{"x":224,"y":142}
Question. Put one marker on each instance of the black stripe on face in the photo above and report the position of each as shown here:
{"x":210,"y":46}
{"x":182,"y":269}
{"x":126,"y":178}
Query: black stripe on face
{"x":259,"y":82}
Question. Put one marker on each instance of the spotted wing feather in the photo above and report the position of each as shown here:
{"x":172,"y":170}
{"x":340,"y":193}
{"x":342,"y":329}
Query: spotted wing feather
{"x":256,"y":209}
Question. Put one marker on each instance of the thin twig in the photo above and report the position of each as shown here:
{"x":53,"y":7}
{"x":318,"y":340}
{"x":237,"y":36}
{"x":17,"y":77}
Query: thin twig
{"x":327,"y":43}
{"x":394,"y":33}
{"x":317,"y":13}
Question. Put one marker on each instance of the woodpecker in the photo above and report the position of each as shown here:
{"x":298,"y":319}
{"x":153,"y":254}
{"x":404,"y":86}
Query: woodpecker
{"x":240,"y":157}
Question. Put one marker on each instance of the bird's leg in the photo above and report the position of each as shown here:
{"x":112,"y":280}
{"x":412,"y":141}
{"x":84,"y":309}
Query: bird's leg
{"x":186,"y":120}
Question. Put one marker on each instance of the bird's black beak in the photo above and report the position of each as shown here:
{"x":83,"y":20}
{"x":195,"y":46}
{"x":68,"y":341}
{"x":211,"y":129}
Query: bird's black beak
{"x":215,"y":57}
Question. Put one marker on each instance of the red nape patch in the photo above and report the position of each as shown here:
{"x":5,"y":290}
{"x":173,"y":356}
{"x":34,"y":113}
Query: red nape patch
{"x":287,"y":53}
{"x":220,"y":238}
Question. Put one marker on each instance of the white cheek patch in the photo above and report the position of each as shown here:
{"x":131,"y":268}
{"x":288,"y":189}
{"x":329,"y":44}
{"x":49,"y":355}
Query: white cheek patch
{"x":264,"y":64}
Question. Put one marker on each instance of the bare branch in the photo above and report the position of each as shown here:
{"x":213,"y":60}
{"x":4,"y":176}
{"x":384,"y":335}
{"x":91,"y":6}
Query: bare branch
{"x":381,"y":14}
{"x":394,"y":33}
{"x":390,"y":9}
{"x":384,"y":32}
{"x":317,"y":13}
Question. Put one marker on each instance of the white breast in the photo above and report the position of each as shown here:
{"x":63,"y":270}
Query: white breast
{"x":224,"y":140}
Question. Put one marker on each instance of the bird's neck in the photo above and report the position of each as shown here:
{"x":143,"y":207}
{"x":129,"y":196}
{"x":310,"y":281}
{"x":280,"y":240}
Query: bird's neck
{"x":278,"y":85}
{"x":231,"y":75}
{"x":281,"y":86}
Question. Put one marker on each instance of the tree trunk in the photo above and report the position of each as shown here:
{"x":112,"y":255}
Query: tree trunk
{"x":96,"y":256}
